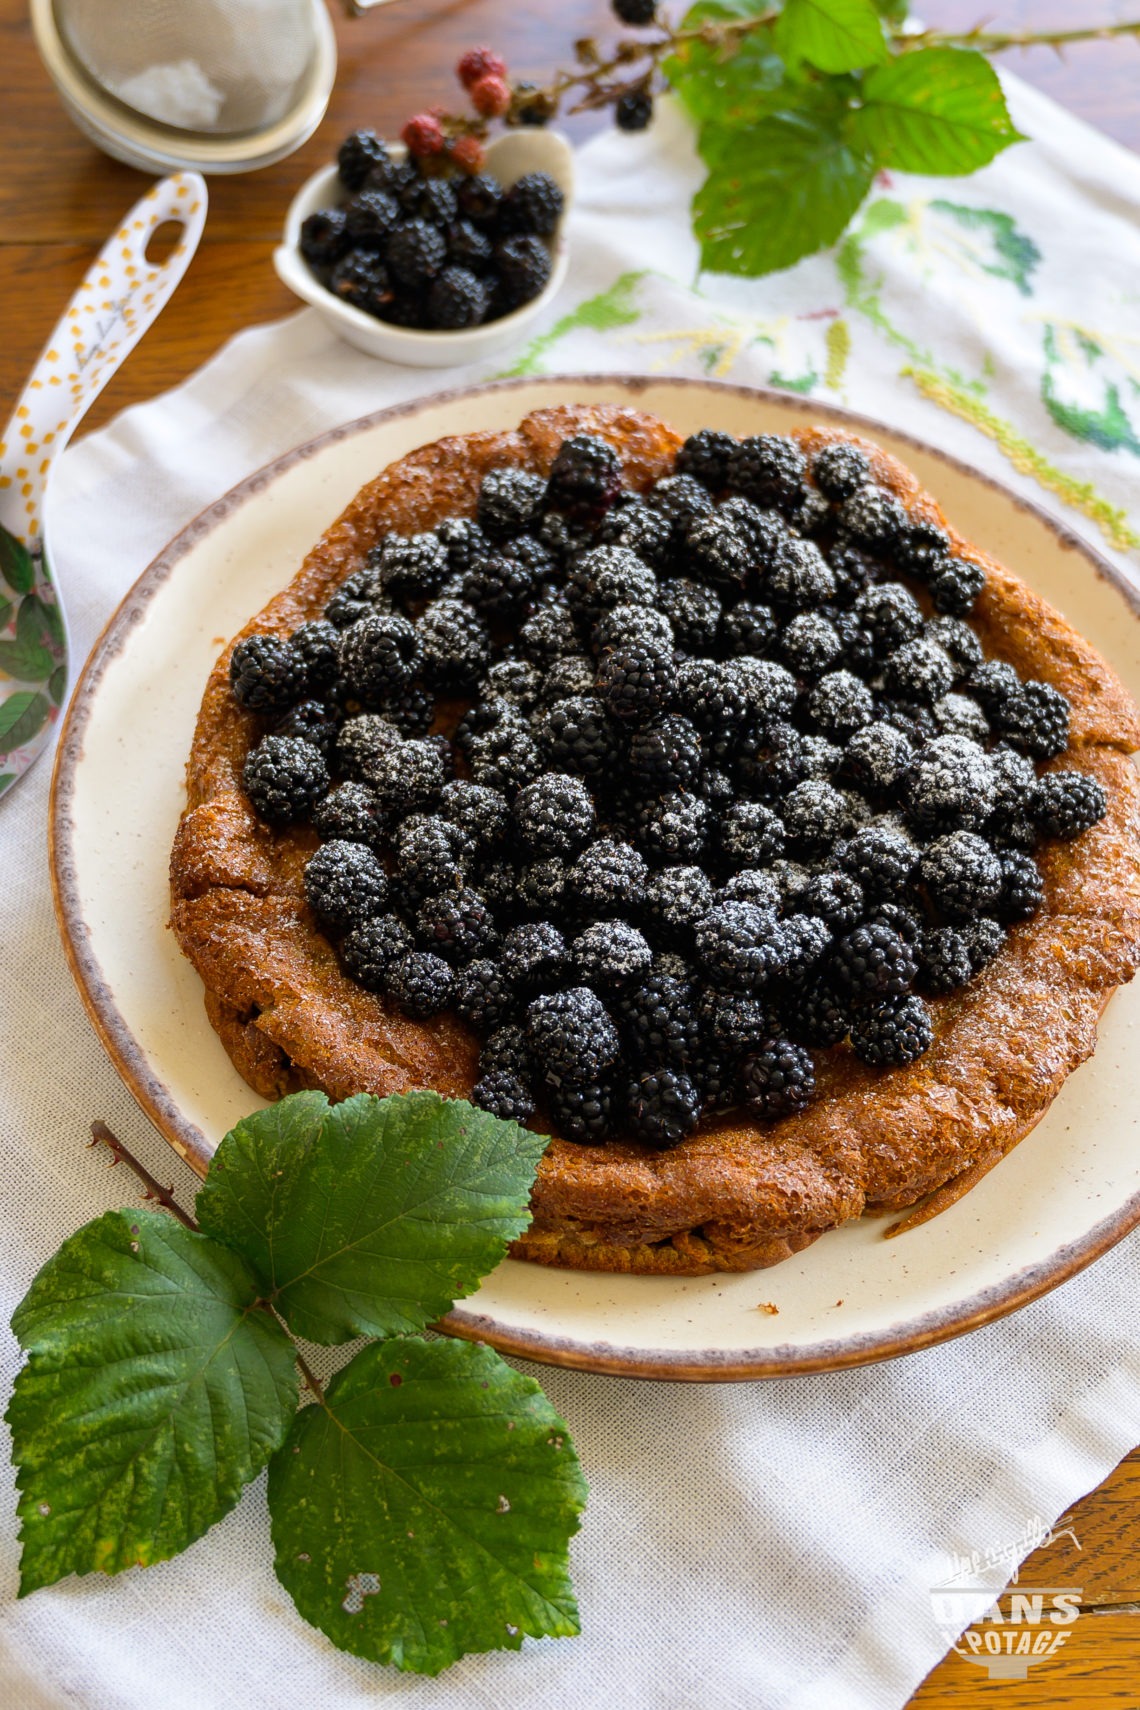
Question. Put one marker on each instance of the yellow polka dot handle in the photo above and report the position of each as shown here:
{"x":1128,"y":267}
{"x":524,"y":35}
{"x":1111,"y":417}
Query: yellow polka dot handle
{"x":123,"y":294}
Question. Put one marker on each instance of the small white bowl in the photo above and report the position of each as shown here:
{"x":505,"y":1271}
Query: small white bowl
{"x":508,"y":158}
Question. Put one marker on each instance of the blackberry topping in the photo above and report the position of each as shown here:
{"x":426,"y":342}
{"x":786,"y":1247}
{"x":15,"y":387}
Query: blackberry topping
{"x":715,"y":551}
{"x":582,"y":1111}
{"x":882,"y":859}
{"x":778,"y":1078}
{"x":1022,"y":888}
{"x":822,"y":760}
{"x":733,"y":1021}
{"x":611,"y":576}
{"x":663,"y":1107}
{"x":836,"y":898}
{"x":877,"y":758}
{"x":962,"y":874}
{"x":372,"y":948}
{"x":816,"y":1014}
{"x":658,"y":1021}
{"x":840,"y":469}
{"x":541,"y":886}
{"x":284,"y":776}
{"x":429,"y":855}
{"x":505,"y":760}
{"x":585,"y":476}
{"x":554,"y":815}
{"x":361,"y":742}
{"x":890,"y":613}
{"x":506,"y":1049}
{"x":457,"y":925}
{"x":681,"y":499}
{"x":534,"y":956}
{"x":1036,"y":719}
{"x":509,"y":501}
{"x":955,"y":586}
{"x":815,"y":815}
{"x":458,"y":298}
{"x":504,"y":1096}
{"x":921,"y":549}
{"x":920,"y":671}
{"x":874,"y":960}
{"x":464,"y":544}
{"x":751,"y":835}
{"x":514,"y":680}
{"x":666,"y":754}
{"x":315,"y":646}
{"x":483,"y":996}
{"x":378,"y":655}
{"x":407,"y":776}
{"x":706,"y":456}
{"x":609,"y":954}
{"x":958,"y":640}
{"x":992,"y":683}
{"x":627,"y":626}
{"x":810,"y":645}
{"x":840,"y":704}
{"x":808,"y":937}
{"x":480,"y":813}
{"x":904,"y":921}
{"x":569,"y":677}
{"x":741,"y":945}
{"x":576,"y":734}
{"x":888,"y":1035}
{"x":811,"y":516}
{"x":636,"y":681}
{"x":415,"y":253}
{"x":754,"y":885}
{"x":943,"y":961}
{"x":799,"y":576}
{"x":872,"y":517}
{"x":357,"y":595}
{"x":750,"y":629}
{"x":693,"y":611}
{"x":768,"y":469}
{"x":984,"y":939}
{"x":345,"y":884}
{"x":411,"y":710}
{"x":532,"y":204}
{"x":1065,"y":804}
{"x":524,"y":267}
{"x":454,"y":643}
{"x":774,"y":761}
{"x":549,"y":633}
{"x":950,"y":784}
{"x":764,"y":530}
{"x":267,"y":674}
{"x":499,"y":585}
{"x":646,"y":532}
{"x":673,"y":827}
{"x":351,"y":812}
{"x":311,"y":720}
{"x":572,"y":1034}
{"x":676,"y":899}
{"x":421,"y":983}
{"x":958,"y":715}
{"x":852,"y":568}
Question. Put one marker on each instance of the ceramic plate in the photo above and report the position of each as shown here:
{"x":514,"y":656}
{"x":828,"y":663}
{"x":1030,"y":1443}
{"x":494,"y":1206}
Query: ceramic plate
{"x":1066,"y":1194}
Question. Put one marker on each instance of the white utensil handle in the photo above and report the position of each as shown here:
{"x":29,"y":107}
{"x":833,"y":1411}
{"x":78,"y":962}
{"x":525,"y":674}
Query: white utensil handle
{"x":121,"y":296}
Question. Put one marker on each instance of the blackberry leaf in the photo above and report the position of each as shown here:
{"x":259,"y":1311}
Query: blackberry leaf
{"x":937,"y":110}
{"x":832,"y":35}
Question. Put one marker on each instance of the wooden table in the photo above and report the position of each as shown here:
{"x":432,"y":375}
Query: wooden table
{"x":58,"y":200}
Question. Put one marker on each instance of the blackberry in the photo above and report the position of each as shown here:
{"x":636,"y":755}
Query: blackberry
{"x":585,"y":476}
{"x":633,"y":524}
{"x":822,"y":760}
{"x":371,"y":949}
{"x":351,"y":812}
{"x":765,"y":531}
{"x":741,"y":946}
{"x":815,"y":815}
{"x":510,"y":500}
{"x":909,"y":926}
{"x":609,"y":954}
{"x":420,"y":983}
{"x":549,"y":633}
{"x":658,"y":1020}
{"x":889,"y":1035}
{"x":751,"y":835}
{"x":920,"y":671}
{"x":430,"y":855}
{"x":514,"y":680}
{"x":768,"y":469}
{"x":882,"y":860}
{"x":852,"y":568}
{"x":959,"y":641}
{"x":371,"y":218}
{"x":840,"y":704}
{"x":681,"y":499}
{"x":774,"y":761}
{"x":1035,"y":719}
{"x":921,"y":549}
{"x":411,"y":710}
{"x":572,"y":1034}
{"x":415,"y":253}
{"x":314,"y":645}
{"x":284,"y":777}
{"x":693,"y":611}
{"x":430,"y":199}
{"x":714,"y":551}
{"x":713,"y":696}
{"x":499,"y":585}
{"x":810,"y":645}
{"x":1022,"y":889}
{"x":768,"y":689}
{"x":837,"y":898}
{"x":793,"y":880}
{"x":480,"y":813}
{"x":633,"y":111}
{"x":582,"y":1111}
{"x":799,"y":576}
{"x":504,"y":1096}
{"x":754,"y":885}
{"x":840,"y":469}
{"x":506,"y":1049}
{"x":676,"y":899}
{"x":671,"y":964}
{"x":1065,"y":804}
{"x":498,"y":880}
{"x":611,"y":576}
{"x":483,"y":996}
{"x":607,"y":877}
{"x":576,"y":734}
{"x":541,"y":886}
{"x":706,"y":456}
{"x":324,"y":236}
{"x":357,"y":595}
{"x":345,"y":884}
{"x":554,"y":815}
{"x":636,"y":13}
{"x":992,"y":683}
{"x":505,"y":760}
{"x":872,"y":517}
{"x":312,"y":721}
{"x":808,"y":937}
{"x":532,"y":204}
{"x":464,"y":544}
{"x":951,"y":784}
{"x":357,"y":156}
{"x":378,"y":655}
{"x":636,"y":681}
{"x":732,"y":1021}
{"x":962,"y":874}
{"x":666,"y":754}
{"x":716,"y":787}
{"x":858,"y":643}
{"x":955,"y":586}
{"x":672,"y":827}
{"x":624,"y":626}
{"x":873,"y":961}
{"x":458,"y":298}
{"x":812,"y":515}
{"x":407,"y":777}
{"x":959,"y":715}
{"x":749,"y":629}
{"x":458,"y":925}
{"x":876,"y":759}
{"x":816,"y":1014}
{"x":569,"y":677}
{"x":534,"y":956}
{"x":984,"y":938}
{"x":943,"y":961}
{"x":523,"y":265}
{"x":267,"y":674}
{"x":663,"y":1106}
{"x":778,"y":1078}
{"x":361,"y":742}
{"x":890,"y":613}
{"x":467,"y":247}
{"x":454,"y":643}
{"x":478,"y":199}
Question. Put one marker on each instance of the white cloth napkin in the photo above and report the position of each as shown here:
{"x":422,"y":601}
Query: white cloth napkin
{"x":769,"y":1545}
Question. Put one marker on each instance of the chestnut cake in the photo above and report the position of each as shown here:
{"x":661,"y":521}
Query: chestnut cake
{"x":709,"y":804}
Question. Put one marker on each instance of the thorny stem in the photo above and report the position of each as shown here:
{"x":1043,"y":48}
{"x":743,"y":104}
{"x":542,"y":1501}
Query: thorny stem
{"x":992,"y":41}
{"x":101,"y":1136}
{"x":309,"y":1376}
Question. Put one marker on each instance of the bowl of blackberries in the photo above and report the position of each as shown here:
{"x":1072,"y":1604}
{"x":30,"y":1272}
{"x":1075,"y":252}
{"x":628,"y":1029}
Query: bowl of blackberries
{"x":422,"y":262}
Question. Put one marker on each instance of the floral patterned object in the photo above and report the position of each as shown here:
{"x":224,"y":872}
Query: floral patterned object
{"x":121,"y":296}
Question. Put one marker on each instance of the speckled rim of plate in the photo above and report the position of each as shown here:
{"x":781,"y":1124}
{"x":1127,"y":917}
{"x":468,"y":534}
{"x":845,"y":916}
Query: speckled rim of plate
{"x":711,"y":1365}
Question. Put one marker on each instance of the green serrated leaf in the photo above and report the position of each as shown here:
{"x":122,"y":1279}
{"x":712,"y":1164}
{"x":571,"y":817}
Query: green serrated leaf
{"x":39,"y":624}
{"x":22,"y":716}
{"x":16,"y":565}
{"x":370,"y":1217}
{"x":936,"y":110}
{"x":31,"y":658}
{"x":778,"y":191}
{"x":424,"y":1510}
{"x":832,"y":35}
{"x":154,"y":1390}
{"x":57,"y":684}
{"x":732,"y":86}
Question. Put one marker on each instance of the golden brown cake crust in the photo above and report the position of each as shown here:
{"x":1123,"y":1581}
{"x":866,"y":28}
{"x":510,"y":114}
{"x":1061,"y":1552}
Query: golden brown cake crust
{"x":735,"y":1195}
